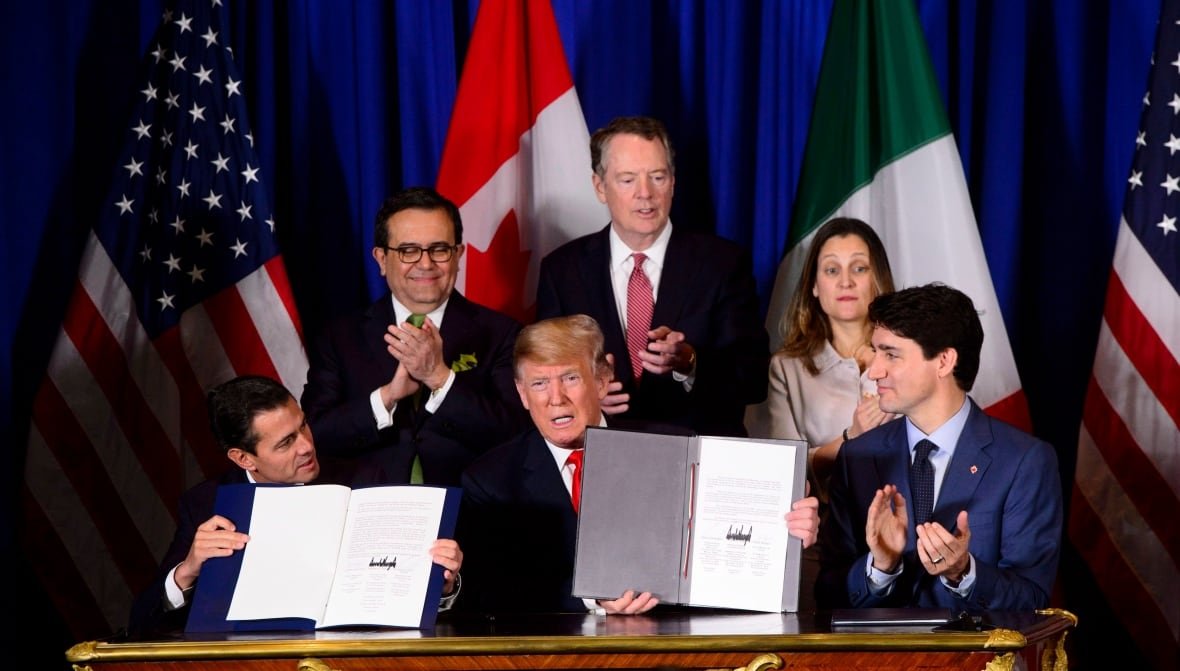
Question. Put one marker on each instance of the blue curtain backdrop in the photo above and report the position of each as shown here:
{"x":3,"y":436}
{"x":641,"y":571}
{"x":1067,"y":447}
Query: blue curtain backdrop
{"x":351,"y":100}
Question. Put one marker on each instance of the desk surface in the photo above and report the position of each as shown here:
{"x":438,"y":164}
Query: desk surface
{"x":578,"y":636}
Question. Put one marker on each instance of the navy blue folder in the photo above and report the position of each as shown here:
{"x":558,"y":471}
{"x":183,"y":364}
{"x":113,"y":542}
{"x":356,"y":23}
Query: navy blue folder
{"x":219,"y":575}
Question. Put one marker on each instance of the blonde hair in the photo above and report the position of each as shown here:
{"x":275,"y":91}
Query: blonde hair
{"x":561,"y":339}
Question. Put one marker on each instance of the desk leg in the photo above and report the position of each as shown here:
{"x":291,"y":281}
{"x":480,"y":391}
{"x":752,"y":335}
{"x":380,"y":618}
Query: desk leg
{"x":1055,"y":659}
{"x":312,"y":664}
{"x":1004,"y":662}
{"x":764,"y":662}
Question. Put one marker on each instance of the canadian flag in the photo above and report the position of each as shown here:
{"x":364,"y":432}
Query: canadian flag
{"x":517,"y":155}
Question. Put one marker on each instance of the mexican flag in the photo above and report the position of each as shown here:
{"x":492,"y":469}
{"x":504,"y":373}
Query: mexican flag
{"x":880,"y":149}
{"x":517,"y":156}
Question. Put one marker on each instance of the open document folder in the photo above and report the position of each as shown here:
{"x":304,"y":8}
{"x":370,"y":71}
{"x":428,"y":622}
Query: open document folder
{"x":326,"y":555}
{"x":696,"y":520}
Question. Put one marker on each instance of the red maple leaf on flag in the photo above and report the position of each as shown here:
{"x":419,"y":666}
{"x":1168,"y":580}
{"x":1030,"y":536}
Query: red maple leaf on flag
{"x":495,"y":277}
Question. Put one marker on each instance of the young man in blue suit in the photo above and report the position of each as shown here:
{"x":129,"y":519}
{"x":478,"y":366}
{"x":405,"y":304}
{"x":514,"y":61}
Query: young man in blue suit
{"x":944,"y":507}
{"x":679,"y":310}
{"x":420,"y":382}
{"x":518,"y":525}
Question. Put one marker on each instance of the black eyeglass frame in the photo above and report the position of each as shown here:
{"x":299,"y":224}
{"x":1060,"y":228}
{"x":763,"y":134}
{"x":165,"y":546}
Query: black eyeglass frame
{"x":439,"y":253}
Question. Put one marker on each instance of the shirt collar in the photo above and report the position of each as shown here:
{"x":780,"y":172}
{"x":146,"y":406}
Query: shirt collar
{"x":620,"y":253}
{"x":827,"y":357}
{"x":945,"y":436}
{"x":402,"y":313}
{"x":560,"y":454}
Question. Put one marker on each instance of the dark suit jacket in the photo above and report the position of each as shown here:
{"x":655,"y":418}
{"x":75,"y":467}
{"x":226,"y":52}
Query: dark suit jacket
{"x":1013,"y":501}
{"x":518,"y":531}
{"x":196,"y":506}
{"x":707,"y":292}
{"x":482,"y":409}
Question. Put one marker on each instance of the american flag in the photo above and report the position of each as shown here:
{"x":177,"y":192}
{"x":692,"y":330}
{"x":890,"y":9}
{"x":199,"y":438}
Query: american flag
{"x":1127,"y":490}
{"x":180,"y":287}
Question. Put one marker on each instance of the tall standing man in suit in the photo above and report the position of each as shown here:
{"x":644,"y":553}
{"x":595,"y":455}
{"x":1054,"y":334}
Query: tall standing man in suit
{"x":419,"y":382}
{"x":943,"y":507}
{"x":519,"y":521}
{"x":679,"y":310}
{"x":266,"y":438}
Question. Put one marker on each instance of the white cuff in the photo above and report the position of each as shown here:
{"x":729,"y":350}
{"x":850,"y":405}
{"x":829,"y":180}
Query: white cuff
{"x":174,"y":597}
{"x":438,"y":395}
{"x":383,"y":417}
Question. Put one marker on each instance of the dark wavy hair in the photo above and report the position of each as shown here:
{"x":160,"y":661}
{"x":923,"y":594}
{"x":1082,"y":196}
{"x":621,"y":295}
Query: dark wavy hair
{"x":233,"y":405}
{"x":937,"y":317}
{"x":414,"y":198}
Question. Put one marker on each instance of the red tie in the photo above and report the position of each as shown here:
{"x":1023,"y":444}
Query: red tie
{"x":575,"y":458}
{"x":639,"y":309}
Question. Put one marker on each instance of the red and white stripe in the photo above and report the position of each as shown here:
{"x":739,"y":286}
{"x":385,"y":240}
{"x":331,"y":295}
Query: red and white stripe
{"x":1127,"y":494}
{"x":119,"y":428}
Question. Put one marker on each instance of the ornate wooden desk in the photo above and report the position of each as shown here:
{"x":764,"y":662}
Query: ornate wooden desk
{"x":669,"y":640}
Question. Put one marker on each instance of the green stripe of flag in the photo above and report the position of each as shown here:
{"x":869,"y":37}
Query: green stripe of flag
{"x":877,"y":100}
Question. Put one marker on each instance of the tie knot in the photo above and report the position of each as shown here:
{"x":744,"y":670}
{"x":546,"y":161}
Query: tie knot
{"x":417,"y":319}
{"x":639,"y":258}
{"x":575,"y":458}
{"x":923,"y":449}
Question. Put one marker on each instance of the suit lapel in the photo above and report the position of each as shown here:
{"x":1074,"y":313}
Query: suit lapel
{"x":459,"y":322}
{"x":966,"y":469}
{"x":893,"y":467}
{"x":600,"y":296}
{"x":541,"y":479}
{"x":675,"y":280}
{"x":377,"y":320}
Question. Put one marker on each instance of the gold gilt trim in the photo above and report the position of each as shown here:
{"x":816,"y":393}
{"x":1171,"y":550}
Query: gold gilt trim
{"x":1004,"y":662}
{"x":1005,"y":638}
{"x":1054,"y":658}
{"x":313,"y":664}
{"x":83,"y":652}
{"x":763,"y":662}
{"x":1073,"y":619}
{"x":84,"y":667}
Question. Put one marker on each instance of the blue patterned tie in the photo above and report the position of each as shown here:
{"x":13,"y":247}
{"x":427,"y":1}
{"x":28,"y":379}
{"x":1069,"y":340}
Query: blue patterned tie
{"x":922,"y":481}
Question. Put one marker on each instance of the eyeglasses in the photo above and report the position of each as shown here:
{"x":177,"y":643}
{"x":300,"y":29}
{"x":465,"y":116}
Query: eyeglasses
{"x":413,"y":253}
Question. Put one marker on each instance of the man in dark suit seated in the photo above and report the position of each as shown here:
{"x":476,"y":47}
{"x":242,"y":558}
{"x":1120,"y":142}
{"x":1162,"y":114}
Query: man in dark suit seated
{"x":518,"y":523}
{"x":679,"y":310}
{"x":264,"y":434}
{"x":420,"y":382}
{"x":944,"y":507}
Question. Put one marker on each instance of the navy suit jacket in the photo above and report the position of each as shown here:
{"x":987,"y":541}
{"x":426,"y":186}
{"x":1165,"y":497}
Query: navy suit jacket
{"x":707,"y":292}
{"x":1005,"y":479}
{"x":195,"y":507}
{"x":518,"y":532}
{"x":482,"y":409}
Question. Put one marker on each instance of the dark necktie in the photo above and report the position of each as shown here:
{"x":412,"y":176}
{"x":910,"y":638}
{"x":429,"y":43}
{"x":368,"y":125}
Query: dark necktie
{"x":922,"y":481}
{"x":417,"y":320}
{"x":575,"y":458}
{"x":640,"y":306}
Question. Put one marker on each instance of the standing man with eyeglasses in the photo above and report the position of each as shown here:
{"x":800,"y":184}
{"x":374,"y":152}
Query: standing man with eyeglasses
{"x":679,"y":309}
{"x":421,"y":381}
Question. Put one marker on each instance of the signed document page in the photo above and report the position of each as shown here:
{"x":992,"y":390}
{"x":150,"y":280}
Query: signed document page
{"x":384,"y":566}
{"x":288,"y":564}
{"x":740,"y":544}
{"x":326,"y":555}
